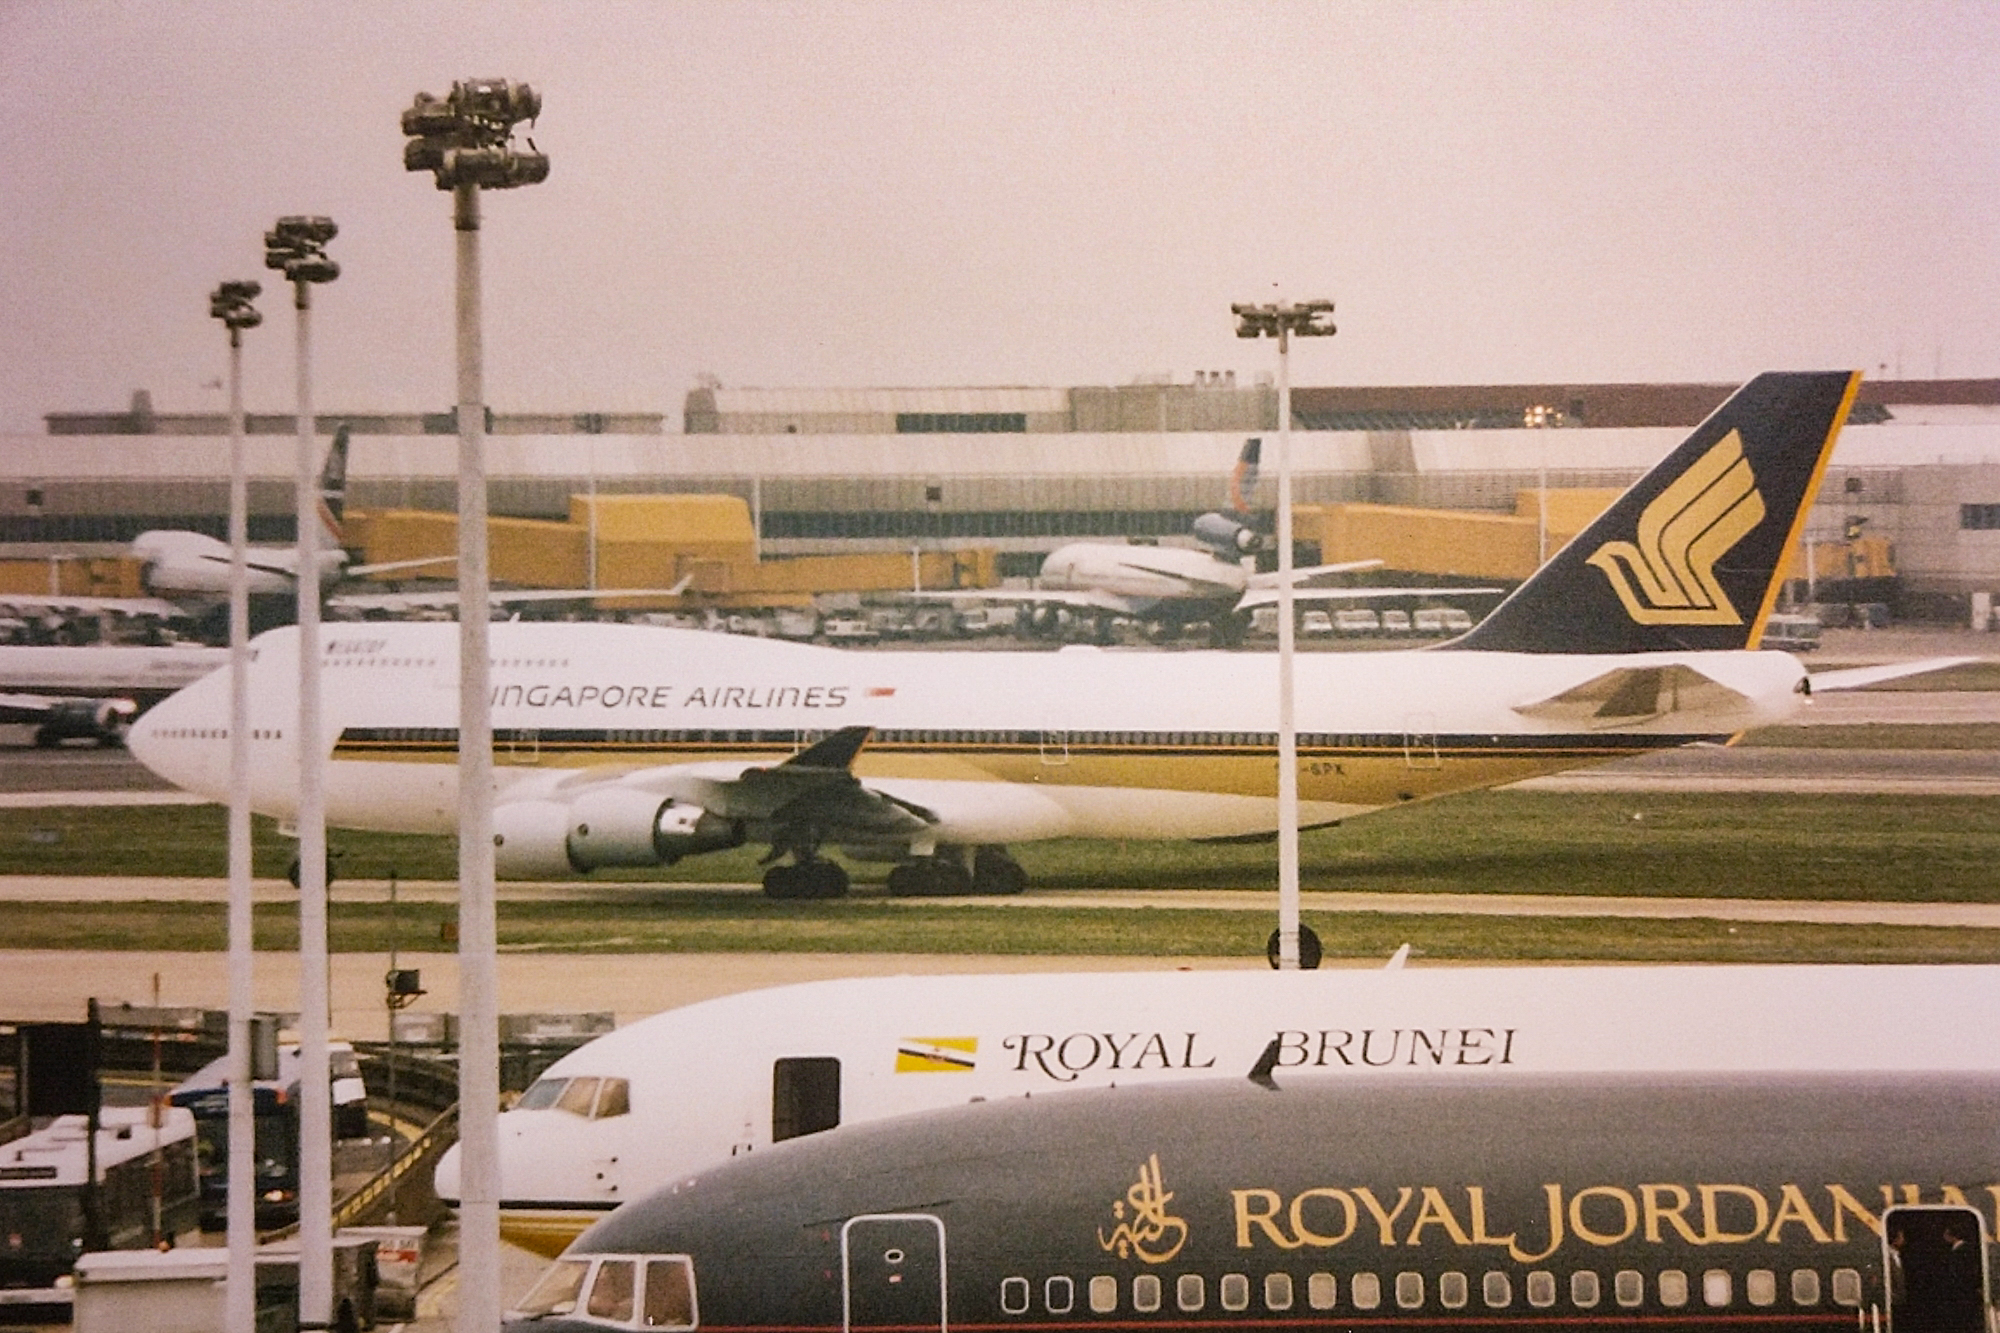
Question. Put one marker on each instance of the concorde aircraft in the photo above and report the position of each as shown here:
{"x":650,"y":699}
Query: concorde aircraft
{"x":622,"y":745}
{"x":674,"y":1094}
{"x":1830,"y":1201}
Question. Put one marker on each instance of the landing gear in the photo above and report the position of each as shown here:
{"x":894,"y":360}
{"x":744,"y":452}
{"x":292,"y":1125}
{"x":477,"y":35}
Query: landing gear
{"x":1227,"y":630}
{"x":944,"y":875}
{"x":806,"y":879}
{"x":1310,"y":950}
{"x":993,"y":871}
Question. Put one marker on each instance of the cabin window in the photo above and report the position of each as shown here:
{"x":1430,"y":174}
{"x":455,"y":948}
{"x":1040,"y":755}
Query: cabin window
{"x":1629,"y":1287}
{"x":1059,"y":1295}
{"x":1103,"y":1294}
{"x":579,"y":1097}
{"x":1717,"y":1288}
{"x":1805,"y":1286}
{"x":1365,"y":1290}
{"x":611,"y":1290}
{"x":1453,"y":1291}
{"x":1278,"y":1291}
{"x":1760,"y":1286}
{"x":805,"y":1096}
{"x":1014,"y":1295}
{"x":1497,"y":1290}
{"x":555,"y":1292}
{"x":1846,"y":1287}
{"x":1410,"y":1290}
{"x":1320,"y":1291}
{"x":1541,"y":1288}
{"x":1190,"y":1291}
{"x":541,"y":1094}
{"x":1146,"y":1293}
{"x":1673,"y":1288}
{"x":669,"y":1292}
{"x":1234,"y":1291}
{"x":1584,"y":1289}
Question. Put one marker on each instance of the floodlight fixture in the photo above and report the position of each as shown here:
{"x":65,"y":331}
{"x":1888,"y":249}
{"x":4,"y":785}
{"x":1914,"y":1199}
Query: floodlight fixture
{"x":230,"y":303}
{"x":296,"y":247}
{"x":1307,"y":319}
{"x":466,"y":137}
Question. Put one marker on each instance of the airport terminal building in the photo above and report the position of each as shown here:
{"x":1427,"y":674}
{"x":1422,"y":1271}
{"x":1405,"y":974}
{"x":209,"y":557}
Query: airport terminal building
{"x":1022,"y":469}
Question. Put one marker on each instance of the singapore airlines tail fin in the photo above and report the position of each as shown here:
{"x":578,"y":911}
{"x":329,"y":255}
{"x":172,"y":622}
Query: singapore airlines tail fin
{"x":1692,"y":557}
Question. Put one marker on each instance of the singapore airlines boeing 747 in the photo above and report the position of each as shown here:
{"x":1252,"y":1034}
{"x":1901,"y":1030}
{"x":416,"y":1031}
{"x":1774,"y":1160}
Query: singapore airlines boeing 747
{"x":619,"y":745}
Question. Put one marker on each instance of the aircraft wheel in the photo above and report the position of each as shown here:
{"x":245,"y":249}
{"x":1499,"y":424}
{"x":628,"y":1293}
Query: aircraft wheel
{"x":1309,"y":948}
{"x":929,"y":877}
{"x":292,"y":870}
{"x":784,"y":882}
{"x":995,"y":872}
{"x":823,"y":879}
{"x":1228,"y":630}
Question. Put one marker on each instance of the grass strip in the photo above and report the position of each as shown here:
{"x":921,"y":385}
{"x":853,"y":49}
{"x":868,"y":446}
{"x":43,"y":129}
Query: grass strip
{"x":696,"y":922}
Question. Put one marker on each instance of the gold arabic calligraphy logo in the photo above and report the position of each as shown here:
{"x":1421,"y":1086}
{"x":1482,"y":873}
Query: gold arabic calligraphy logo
{"x":1682,"y":533}
{"x":1145,"y":1229}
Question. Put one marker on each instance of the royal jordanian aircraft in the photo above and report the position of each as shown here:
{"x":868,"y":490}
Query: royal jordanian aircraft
{"x":622,"y":745}
{"x":1830,"y":1201}
{"x":674,"y":1094}
{"x":1170,"y":587}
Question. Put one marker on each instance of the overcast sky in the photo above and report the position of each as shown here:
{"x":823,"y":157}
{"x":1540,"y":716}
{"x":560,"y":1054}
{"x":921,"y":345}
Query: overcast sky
{"x":850,"y":194}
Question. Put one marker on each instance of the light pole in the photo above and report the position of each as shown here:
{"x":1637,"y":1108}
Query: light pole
{"x":230,"y":303}
{"x":465,"y":142}
{"x":296,"y":247}
{"x":1307,"y":319}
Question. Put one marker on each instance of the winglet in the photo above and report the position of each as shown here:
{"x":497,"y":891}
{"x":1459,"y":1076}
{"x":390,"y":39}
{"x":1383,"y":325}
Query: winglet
{"x":1692,"y":557}
{"x":835,"y":751}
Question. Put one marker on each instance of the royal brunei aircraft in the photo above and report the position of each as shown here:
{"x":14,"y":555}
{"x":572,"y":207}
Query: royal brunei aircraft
{"x":1831,"y":1201}
{"x":621,"y":745}
{"x":1167,"y":588}
{"x":672,"y":1095}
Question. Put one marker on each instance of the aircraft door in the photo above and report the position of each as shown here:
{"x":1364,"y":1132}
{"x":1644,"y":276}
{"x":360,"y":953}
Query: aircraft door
{"x":1420,"y":742}
{"x":1934,"y":1269}
{"x":893,"y":1273}
{"x":1055,"y":748}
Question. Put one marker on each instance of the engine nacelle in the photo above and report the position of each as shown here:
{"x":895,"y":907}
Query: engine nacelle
{"x":102,"y":720}
{"x":1228,"y":535}
{"x":530,"y":840}
{"x":619,"y":826}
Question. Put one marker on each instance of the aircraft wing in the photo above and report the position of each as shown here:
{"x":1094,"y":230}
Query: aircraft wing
{"x":814,"y":788}
{"x":1624,"y":696}
{"x":124,"y":606}
{"x":1089,"y":599}
{"x":1855,"y":678}
{"x":1270,"y":580}
{"x":1269,"y":596}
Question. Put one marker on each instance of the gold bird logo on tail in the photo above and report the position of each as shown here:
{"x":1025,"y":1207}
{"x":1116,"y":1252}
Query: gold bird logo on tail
{"x":1668,"y":576}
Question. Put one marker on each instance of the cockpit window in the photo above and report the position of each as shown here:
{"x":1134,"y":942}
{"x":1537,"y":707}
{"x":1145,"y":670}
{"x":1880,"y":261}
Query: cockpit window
{"x":615,"y":1099}
{"x":557,"y":1290}
{"x":541,"y":1094}
{"x":669,"y":1294}
{"x":611,"y":1292}
{"x":579,"y":1097}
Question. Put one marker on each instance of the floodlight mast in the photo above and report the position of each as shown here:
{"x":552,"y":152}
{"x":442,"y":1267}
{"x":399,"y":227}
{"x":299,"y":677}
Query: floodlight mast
{"x":465,"y":140}
{"x":231,"y":303}
{"x":1307,"y":319}
{"x":296,"y":247}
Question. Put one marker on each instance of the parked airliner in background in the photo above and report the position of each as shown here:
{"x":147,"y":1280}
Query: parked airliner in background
{"x":1168,"y":588}
{"x":632,"y":745}
{"x":671,"y":1095}
{"x":94,"y":693}
{"x":1824,"y":1201}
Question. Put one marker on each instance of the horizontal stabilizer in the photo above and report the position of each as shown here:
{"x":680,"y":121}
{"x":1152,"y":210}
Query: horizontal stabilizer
{"x":1628,"y":695}
{"x":1855,"y":678}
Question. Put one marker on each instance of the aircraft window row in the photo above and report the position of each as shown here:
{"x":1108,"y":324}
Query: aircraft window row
{"x":532,"y":662}
{"x":630,"y":1291}
{"x":345,"y":661}
{"x":591,"y":1098}
{"x":215,"y":734}
{"x":1670,"y":1288}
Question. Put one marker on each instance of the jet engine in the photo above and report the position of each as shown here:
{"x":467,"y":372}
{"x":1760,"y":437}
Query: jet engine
{"x":102,"y":720}
{"x":1230,"y":536}
{"x":613,"y":826}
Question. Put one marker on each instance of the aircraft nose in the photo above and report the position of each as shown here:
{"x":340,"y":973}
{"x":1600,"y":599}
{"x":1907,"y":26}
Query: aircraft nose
{"x":169,"y":738}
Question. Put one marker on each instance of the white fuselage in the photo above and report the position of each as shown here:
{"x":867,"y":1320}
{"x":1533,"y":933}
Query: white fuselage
{"x":705,"y":1081}
{"x":1161,"y":573}
{"x":998,"y":746}
{"x":194,"y":564}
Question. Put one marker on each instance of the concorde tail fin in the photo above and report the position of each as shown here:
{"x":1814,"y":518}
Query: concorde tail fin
{"x":1691,"y":558}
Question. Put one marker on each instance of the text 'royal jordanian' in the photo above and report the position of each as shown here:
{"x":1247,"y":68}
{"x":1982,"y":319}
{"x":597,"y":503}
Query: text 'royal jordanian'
{"x":621,"y":745}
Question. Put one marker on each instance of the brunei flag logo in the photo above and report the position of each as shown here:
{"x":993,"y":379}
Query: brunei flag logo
{"x":936,"y":1055}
